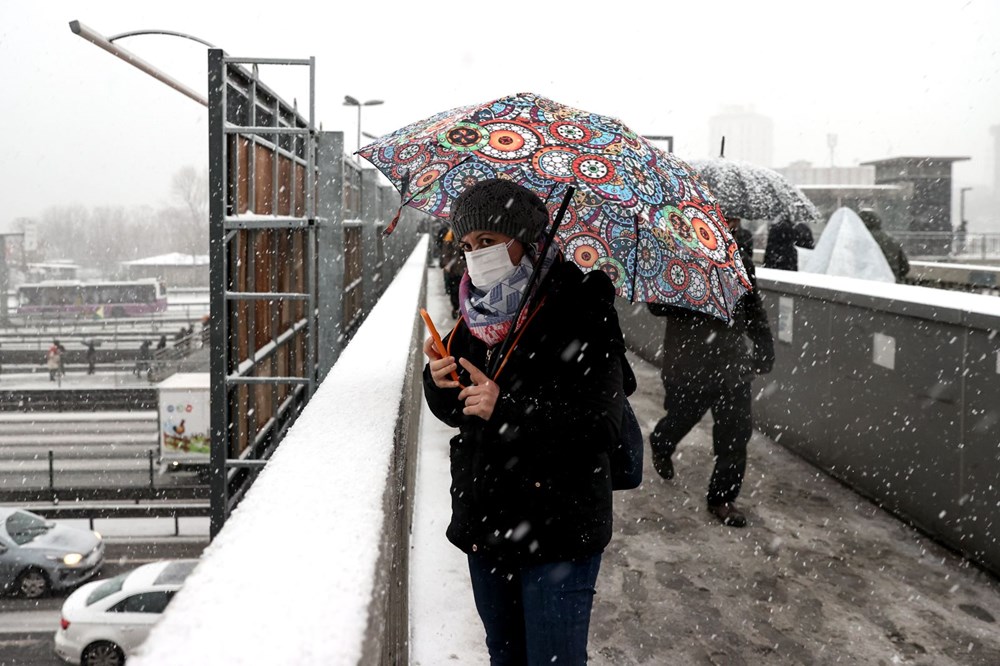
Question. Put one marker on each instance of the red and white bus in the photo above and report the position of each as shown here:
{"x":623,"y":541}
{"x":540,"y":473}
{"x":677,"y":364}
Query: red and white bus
{"x":58,"y":298}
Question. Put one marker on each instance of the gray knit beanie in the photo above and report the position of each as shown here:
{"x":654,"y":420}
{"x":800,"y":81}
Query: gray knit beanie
{"x":500,"y":206}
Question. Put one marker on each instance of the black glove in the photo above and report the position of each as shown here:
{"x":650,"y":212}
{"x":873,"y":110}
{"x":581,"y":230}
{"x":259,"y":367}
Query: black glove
{"x":763,"y":358}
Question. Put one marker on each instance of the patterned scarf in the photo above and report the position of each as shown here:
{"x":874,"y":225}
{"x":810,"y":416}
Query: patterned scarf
{"x":489,"y":314}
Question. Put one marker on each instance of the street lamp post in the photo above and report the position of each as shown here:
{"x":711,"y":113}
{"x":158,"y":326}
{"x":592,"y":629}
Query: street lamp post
{"x":352,"y":101}
{"x":962,"y":223}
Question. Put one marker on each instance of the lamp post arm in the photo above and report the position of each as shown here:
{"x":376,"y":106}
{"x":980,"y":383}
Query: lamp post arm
{"x":103,"y":42}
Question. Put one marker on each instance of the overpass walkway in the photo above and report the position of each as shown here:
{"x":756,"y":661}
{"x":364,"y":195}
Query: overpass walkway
{"x":820,"y":576}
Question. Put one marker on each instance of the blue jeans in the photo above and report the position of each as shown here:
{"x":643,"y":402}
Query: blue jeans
{"x":537,"y":614}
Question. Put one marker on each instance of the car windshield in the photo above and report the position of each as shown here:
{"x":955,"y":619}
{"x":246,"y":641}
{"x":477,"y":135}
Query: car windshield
{"x":106,"y":588}
{"x":23,"y":527}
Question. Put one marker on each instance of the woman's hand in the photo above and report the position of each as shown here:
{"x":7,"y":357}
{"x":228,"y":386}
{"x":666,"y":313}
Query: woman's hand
{"x":481,"y":397}
{"x":441,"y":366}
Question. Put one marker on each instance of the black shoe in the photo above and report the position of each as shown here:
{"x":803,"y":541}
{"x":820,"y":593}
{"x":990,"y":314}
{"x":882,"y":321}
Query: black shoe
{"x":728,"y":514}
{"x":663,"y":465}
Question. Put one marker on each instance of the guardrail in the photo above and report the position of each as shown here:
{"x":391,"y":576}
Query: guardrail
{"x":893,"y":389}
{"x":106,"y":494}
{"x":92,"y":512}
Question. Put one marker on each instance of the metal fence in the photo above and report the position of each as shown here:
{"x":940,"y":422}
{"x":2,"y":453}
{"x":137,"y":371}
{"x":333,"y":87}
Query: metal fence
{"x":955,"y":245}
{"x":262,"y":157}
{"x":297,"y":261}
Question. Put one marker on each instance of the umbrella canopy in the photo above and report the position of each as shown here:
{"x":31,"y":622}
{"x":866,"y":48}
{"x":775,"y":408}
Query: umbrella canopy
{"x":747,"y":191}
{"x":637,"y":213}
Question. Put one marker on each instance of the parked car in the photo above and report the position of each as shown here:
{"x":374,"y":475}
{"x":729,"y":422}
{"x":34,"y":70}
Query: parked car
{"x":37,"y":556}
{"x":104,"y":621}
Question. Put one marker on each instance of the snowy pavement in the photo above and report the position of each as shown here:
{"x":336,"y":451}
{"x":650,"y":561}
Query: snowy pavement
{"x":821,"y":575}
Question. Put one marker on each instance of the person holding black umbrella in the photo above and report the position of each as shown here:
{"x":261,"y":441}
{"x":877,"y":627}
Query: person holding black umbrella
{"x":531,"y":487}
{"x":780,"y":250}
{"x":707,"y":366}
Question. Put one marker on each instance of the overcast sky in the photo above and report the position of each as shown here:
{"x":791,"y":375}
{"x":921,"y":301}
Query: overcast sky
{"x":889,"y":78}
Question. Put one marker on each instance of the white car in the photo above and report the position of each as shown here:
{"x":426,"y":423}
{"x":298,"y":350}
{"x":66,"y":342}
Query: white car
{"x":104,"y":621}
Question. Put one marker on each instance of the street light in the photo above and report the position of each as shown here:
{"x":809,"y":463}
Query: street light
{"x":351,"y":101}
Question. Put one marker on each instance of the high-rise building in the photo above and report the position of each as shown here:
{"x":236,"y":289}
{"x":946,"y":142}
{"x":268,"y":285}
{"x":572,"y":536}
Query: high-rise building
{"x":749,"y":135}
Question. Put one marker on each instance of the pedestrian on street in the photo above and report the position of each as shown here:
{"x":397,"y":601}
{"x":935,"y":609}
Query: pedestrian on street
{"x":91,"y":356}
{"x":891,"y":248}
{"x":707,"y":366}
{"x":780,"y":250}
{"x":53,"y":360}
{"x":531,"y":487}
{"x":144,"y":357}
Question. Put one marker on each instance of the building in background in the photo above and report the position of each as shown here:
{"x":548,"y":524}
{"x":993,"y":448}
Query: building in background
{"x":830,"y":188}
{"x":928,"y":206}
{"x":749,"y":135}
{"x":174,"y":269}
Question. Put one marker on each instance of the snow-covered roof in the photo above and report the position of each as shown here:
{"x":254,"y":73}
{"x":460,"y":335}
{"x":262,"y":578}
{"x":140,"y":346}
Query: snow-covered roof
{"x":186,"y":380}
{"x":171,"y":259}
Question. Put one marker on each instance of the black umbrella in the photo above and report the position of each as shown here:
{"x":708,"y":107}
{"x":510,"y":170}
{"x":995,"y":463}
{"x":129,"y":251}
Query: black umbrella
{"x":750,"y":192}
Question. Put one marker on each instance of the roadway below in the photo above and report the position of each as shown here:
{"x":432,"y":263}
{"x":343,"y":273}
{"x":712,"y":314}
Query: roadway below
{"x":27,"y":626}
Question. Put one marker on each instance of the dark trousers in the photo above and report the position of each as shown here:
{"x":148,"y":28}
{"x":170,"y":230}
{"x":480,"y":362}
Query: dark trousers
{"x":451,"y":283}
{"x":730,"y":406}
{"x":537,"y":614}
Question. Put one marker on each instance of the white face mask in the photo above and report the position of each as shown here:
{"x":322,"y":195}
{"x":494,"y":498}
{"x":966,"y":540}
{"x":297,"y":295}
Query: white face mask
{"x":489,"y":265}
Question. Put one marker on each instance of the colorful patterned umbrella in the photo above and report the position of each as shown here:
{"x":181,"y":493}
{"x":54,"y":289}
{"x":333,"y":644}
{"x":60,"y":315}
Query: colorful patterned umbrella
{"x":638,"y":213}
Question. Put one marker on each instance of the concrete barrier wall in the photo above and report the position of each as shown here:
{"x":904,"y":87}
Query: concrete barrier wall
{"x":312,"y":566}
{"x":893,"y":389}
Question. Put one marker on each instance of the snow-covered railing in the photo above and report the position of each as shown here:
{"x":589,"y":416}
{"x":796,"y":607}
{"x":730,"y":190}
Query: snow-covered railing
{"x":894,"y":389}
{"x":311,"y":568}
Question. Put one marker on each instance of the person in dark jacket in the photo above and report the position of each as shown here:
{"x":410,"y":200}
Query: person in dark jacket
{"x":804,"y":236}
{"x":531,"y":487}
{"x":452,"y":263}
{"x":91,"y":356}
{"x":743,"y":237}
{"x":780,"y":249}
{"x":708,"y":366}
{"x":891,"y":248}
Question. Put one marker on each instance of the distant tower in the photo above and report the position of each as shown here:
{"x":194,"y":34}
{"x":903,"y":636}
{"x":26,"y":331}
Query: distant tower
{"x":831,"y":143}
{"x":749,"y":135}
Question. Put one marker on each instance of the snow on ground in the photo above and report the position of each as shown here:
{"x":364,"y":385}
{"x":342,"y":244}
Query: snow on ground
{"x":444,"y":625}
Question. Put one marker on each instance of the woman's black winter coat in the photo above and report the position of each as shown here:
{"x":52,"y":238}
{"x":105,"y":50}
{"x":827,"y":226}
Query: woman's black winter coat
{"x":532,"y":484}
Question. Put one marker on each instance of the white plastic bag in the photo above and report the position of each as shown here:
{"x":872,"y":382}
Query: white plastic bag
{"x":847,"y":248}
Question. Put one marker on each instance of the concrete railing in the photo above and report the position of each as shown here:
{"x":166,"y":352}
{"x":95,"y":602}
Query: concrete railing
{"x":893,"y":389}
{"x":312,"y":566}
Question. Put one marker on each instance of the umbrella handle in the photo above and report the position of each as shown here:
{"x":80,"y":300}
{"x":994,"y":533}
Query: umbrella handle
{"x":549,"y":238}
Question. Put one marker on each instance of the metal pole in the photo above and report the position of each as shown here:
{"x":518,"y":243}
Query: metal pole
{"x":152,"y":484}
{"x":356,"y":156}
{"x":101,"y":41}
{"x":219,"y":309}
{"x":52,"y":475}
